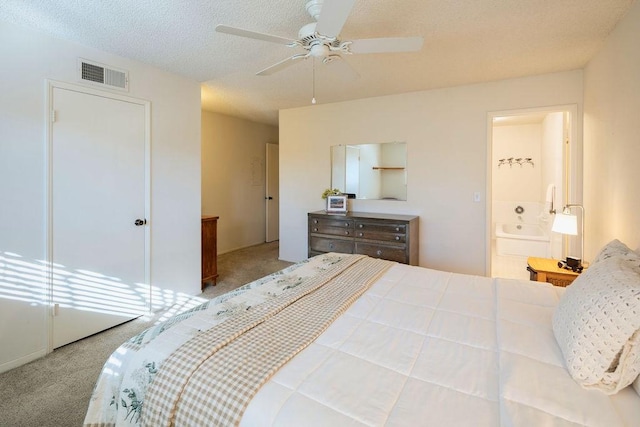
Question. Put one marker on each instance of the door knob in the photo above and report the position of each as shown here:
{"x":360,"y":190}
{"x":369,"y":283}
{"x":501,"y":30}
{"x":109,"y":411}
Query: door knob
{"x":269,"y":198}
{"x":140,"y":222}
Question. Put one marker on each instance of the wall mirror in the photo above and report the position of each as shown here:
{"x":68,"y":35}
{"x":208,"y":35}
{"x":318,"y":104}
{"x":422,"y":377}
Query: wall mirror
{"x":370,"y":171}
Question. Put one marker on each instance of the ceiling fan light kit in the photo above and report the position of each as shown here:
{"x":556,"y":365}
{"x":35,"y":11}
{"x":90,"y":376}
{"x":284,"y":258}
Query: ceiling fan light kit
{"x":321,"y":39}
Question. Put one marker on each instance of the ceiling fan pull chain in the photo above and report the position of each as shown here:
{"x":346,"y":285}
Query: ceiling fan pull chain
{"x":313,"y":77}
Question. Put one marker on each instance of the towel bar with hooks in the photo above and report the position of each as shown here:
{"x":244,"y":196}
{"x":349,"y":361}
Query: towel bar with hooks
{"x":516,"y":161}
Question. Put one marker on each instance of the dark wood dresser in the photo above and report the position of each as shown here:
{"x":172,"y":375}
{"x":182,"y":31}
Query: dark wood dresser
{"x":209,"y":229}
{"x":386,"y":236}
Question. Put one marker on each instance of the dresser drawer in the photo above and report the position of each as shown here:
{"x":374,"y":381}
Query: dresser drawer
{"x":335,"y":227}
{"x":321,"y":244}
{"x":384,"y":232}
{"x":392,"y":253}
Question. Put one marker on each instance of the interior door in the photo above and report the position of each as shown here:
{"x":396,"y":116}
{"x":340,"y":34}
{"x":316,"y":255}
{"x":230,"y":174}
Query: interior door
{"x":98,"y":199}
{"x":272,"y":197}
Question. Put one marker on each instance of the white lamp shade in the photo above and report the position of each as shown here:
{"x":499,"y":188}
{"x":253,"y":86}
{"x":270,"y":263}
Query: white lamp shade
{"x":565,"y":224}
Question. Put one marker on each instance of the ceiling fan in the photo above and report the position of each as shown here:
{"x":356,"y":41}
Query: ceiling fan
{"x":321,"y":39}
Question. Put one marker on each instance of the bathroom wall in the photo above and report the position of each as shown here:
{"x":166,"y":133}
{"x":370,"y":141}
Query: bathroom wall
{"x":541,"y":137}
{"x":517,"y":184}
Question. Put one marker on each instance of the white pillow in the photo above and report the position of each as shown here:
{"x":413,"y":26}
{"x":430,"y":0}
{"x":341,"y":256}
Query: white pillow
{"x":636,"y":383}
{"x":616,"y":248}
{"x":597,"y":325}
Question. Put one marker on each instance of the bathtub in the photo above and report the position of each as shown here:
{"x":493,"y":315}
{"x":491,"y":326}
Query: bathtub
{"x":522,"y":240}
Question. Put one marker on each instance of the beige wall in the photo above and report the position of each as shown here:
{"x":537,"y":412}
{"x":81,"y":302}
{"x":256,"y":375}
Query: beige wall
{"x":446,"y":135}
{"x":612,"y":139}
{"x":28,"y":59}
{"x":233,"y":177}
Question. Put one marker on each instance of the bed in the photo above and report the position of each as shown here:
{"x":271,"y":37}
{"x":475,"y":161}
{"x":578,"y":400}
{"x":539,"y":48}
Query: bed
{"x":401,"y":346}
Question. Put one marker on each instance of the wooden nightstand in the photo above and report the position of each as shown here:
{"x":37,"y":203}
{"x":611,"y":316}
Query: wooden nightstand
{"x":547,"y":270}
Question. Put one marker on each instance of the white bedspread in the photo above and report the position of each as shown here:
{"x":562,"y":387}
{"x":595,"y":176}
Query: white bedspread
{"x":419,"y":348}
{"x":424,"y":347}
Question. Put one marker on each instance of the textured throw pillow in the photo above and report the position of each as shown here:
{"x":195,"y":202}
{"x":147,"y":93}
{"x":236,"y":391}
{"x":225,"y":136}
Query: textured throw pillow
{"x":597,"y":325}
{"x":616,"y":248}
{"x":636,"y":383}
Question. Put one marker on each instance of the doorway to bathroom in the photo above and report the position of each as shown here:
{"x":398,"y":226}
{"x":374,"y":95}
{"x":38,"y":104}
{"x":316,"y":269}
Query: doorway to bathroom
{"x":533,"y":171}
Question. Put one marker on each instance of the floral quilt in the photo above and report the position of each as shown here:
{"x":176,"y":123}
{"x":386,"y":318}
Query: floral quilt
{"x":119,"y":394}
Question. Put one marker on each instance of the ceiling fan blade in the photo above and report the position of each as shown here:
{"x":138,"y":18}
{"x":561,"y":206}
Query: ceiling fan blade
{"x":387,"y":45}
{"x":333,"y":15}
{"x":281,"y":65}
{"x":253,"y":35}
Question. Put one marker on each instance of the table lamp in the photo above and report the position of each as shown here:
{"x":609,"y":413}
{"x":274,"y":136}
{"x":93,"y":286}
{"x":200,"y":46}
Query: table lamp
{"x":566,"y":223}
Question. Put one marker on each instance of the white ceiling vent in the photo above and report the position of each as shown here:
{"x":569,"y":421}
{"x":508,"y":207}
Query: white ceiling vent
{"x":103,"y":75}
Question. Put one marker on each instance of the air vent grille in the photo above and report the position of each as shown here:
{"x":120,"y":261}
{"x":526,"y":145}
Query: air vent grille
{"x":103,"y":75}
{"x":92,"y":73}
{"x":115,"y":78}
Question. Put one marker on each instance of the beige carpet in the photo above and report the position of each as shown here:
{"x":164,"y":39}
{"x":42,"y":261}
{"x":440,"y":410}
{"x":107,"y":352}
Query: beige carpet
{"x":55,"y":390}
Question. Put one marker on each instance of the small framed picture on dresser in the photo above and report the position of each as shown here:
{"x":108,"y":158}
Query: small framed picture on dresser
{"x":337,"y":204}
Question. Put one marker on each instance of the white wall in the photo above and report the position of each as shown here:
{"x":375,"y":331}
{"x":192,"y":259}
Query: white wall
{"x":551,"y":165}
{"x":446,"y":135}
{"x":612,"y":148}
{"x":551,"y":156}
{"x":28,"y":59}
{"x":233,"y":178}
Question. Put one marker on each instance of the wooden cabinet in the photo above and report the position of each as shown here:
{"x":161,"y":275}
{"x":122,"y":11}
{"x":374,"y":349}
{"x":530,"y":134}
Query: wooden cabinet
{"x":209,"y":229}
{"x":387,"y":236}
{"x":547,"y":270}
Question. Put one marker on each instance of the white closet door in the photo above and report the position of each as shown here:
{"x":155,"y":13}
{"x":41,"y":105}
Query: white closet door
{"x":273,"y":194}
{"x":97,"y":193}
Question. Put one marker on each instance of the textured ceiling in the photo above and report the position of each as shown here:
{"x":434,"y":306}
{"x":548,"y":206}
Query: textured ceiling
{"x":466,"y":41}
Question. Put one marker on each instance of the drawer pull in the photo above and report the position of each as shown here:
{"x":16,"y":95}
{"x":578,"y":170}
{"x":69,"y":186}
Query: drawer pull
{"x":379,"y":252}
{"x":315,"y":221}
{"x":360,"y":234}
{"x":346,"y":233}
{"x":397,"y":237}
{"x":360,"y":226}
{"x":346,"y":224}
{"x":315,"y":229}
{"x":397,"y":228}
{"x":330,"y":245}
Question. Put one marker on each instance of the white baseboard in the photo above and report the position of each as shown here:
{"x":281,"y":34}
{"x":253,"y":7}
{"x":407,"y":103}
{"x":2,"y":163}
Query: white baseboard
{"x":7,"y":366}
